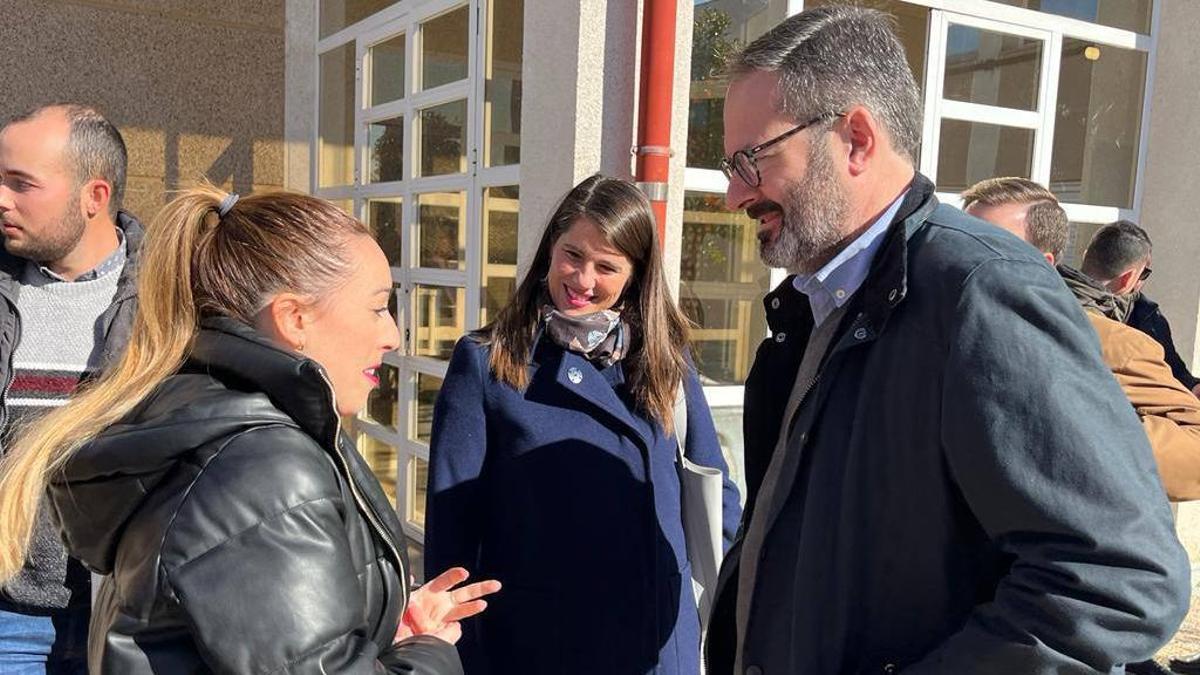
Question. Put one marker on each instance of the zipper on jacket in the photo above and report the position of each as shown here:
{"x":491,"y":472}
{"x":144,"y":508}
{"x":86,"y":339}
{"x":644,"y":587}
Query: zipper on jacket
{"x":360,"y":500}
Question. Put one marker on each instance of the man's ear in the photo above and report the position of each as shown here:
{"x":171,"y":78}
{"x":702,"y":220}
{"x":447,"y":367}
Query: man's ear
{"x":94,"y":197}
{"x":862,"y":132}
{"x":1124,"y":282}
{"x":286,"y":319}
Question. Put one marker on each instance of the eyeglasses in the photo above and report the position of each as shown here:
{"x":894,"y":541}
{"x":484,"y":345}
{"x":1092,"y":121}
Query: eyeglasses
{"x":744,"y":162}
{"x":1146,"y":272}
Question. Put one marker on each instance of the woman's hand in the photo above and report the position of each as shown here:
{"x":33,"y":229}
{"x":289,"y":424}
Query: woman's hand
{"x":437,"y":607}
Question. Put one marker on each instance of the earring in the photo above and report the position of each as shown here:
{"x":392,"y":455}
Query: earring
{"x":300,"y":347}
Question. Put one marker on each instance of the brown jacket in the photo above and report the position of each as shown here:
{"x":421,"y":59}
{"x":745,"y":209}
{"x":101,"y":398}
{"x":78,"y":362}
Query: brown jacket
{"x":1169,"y":412}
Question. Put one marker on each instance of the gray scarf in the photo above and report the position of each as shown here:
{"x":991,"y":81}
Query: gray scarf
{"x":1095,"y":297}
{"x":599,"y":336}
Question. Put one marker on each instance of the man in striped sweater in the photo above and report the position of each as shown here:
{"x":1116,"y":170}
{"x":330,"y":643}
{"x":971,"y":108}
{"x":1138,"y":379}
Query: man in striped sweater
{"x":67,"y":297}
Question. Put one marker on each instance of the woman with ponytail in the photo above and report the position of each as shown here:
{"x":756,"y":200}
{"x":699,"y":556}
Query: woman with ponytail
{"x":552,"y":459}
{"x":207,"y":475}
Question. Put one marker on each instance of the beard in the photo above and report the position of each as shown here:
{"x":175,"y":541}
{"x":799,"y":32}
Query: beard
{"x":52,"y":242}
{"x":812,"y":216}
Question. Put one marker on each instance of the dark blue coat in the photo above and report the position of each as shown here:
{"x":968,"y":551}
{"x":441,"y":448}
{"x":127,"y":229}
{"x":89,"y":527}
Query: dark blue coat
{"x":571,"y":500}
{"x":975,"y":495}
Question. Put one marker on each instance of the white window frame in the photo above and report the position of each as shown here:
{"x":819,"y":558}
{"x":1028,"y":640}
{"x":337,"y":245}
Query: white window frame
{"x":996,"y":17}
{"x":406,"y":17}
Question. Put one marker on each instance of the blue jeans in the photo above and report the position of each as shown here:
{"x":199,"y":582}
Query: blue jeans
{"x":43,"y":642}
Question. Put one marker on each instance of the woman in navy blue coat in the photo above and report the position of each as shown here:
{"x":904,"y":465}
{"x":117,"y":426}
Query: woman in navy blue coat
{"x":552,"y":461}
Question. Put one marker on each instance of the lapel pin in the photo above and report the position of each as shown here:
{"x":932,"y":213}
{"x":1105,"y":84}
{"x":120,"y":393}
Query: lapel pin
{"x":575,"y":375}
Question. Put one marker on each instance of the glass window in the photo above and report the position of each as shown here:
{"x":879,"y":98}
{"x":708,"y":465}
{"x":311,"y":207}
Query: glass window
{"x":444,"y":50}
{"x":335,"y":123}
{"x":441,"y":235}
{"x":381,"y":457}
{"x":722,"y":282}
{"x":440,"y":320}
{"x":1098,"y":127}
{"x":444,"y":139}
{"x":428,"y":387}
{"x":387,"y":70}
{"x":346,"y":205}
{"x":337,"y":14}
{"x":971,"y":151}
{"x":992,"y":68}
{"x":502,"y":84}
{"x":1078,"y":237}
{"x":418,"y":485}
{"x":719,"y":30}
{"x":500,"y":206}
{"x":381,"y":402}
{"x":385,"y":144}
{"x":1128,"y":14}
{"x":385,"y":217}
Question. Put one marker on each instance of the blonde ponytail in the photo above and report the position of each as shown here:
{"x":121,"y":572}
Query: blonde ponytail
{"x":193,"y":263}
{"x":163,"y":328}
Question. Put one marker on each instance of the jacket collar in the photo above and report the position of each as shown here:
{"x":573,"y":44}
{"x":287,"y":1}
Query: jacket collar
{"x":887,"y":283}
{"x":11,"y":266}
{"x":233,"y":351}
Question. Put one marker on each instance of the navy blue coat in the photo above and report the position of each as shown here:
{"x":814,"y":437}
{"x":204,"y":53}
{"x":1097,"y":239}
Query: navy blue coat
{"x":976,"y":495}
{"x":571,"y":500}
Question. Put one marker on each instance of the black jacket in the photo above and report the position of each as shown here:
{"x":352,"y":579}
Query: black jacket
{"x":1148,"y":318}
{"x":974,"y":495}
{"x":242,"y":531}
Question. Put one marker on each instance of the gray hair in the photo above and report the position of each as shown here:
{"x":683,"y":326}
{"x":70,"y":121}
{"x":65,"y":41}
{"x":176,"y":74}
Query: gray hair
{"x":1115,"y":249}
{"x":95,"y":148}
{"x":832,"y":58}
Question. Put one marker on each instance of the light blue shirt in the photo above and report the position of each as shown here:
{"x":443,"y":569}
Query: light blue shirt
{"x":834,"y":284}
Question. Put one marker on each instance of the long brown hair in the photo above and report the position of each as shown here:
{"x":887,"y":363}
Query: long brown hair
{"x":193,"y":263}
{"x":656,"y":361}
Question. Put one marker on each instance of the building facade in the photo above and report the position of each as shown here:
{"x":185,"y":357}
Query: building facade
{"x":452,"y":127}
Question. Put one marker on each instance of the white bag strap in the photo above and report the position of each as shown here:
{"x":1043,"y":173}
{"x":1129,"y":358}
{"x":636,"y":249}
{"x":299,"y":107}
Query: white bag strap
{"x":680,"y":419}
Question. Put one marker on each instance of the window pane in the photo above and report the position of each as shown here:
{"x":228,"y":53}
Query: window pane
{"x":722,"y":282}
{"x":1128,"y":14}
{"x":346,"y":205}
{"x":721,"y":29}
{"x":444,"y":48}
{"x":387,"y":70}
{"x":428,"y":387}
{"x":500,"y":205}
{"x":1078,"y":237}
{"x":381,"y":457}
{"x":992,"y":68}
{"x":502,"y":87}
{"x":335,"y":123}
{"x":440,"y":320}
{"x":972,"y":151}
{"x":718,"y":32}
{"x":381,"y":403}
{"x":444,"y":139}
{"x":1099,"y":121}
{"x":337,"y":14}
{"x":728,"y":422}
{"x":384,"y":217}
{"x":441,"y":237}
{"x":385,"y":143}
{"x":418,"y":476}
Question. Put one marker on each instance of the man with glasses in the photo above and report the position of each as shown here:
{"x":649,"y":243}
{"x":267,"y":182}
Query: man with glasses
{"x":942,"y":475}
{"x":1118,"y":258}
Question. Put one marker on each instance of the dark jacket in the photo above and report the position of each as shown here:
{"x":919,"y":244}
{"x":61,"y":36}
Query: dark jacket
{"x":570,"y":499}
{"x":975,"y":493}
{"x":49,"y":579}
{"x":1148,"y":318}
{"x":242,"y":531}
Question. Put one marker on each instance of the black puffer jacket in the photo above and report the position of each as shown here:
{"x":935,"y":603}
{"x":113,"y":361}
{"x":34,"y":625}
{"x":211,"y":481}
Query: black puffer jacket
{"x":242,"y":531}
